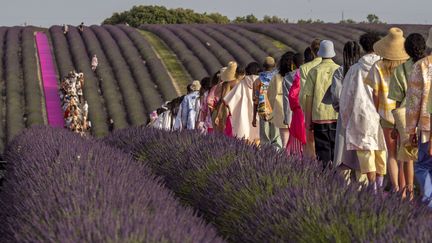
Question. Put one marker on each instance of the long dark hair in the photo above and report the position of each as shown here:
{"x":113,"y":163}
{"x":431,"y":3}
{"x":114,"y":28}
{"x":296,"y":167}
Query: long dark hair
{"x":415,"y":46}
{"x":308,"y":56}
{"x":351,"y":54}
{"x":286,"y":63}
{"x":205,"y":85}
{"x":253,"y":68}
{"x":215,"y":79}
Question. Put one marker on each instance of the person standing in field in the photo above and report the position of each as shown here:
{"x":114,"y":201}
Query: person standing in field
{"x":188,"y":107}
{"x":418,"y":122}
{"x":221,"y":116}
{"x":268,"y":132}
{"x":391,"y":49}
{"x":81,"y":27}
{"x":321,"y":118}
{"x":94,"y":62}
{"x":205,"y":119}
{"x":351,"y":55}
{"x":415,"y":46}
{"x":293,"y":114}
{"x":304,"y":73}
{"x":240,"y":103}
{"x":202,"y":105}
{"x":360,"y":119}
{"x":65,"y":29}
{"x":275,"y":96}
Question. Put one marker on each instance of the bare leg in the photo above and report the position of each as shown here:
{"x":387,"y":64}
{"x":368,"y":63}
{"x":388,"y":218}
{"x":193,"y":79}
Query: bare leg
{"x":284,"y":133}
{"x":392,"y":162}
{"x":402,"y":180}
{"x":409,"y":178}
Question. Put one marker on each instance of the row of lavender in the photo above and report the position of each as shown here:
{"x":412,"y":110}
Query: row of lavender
{"x":60,"y":187}
{"x":259,"y":195}
{"x":203,"y":49}
{"x":130,"y":80}
{"x":21,"y":103}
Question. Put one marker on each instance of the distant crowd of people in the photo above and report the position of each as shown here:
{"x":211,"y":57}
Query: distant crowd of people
{"x":74,"y":106}
{"x":369,"y":117}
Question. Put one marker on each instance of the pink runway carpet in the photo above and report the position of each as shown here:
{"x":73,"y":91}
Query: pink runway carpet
{"x":49,"y":81}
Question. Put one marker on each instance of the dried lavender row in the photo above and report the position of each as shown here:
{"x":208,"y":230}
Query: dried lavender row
{"x":254,"y":195}
{"x":63,"y":188}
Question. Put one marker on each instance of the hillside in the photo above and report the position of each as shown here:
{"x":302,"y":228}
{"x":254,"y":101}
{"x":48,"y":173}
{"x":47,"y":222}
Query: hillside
{"x":141,"y":69}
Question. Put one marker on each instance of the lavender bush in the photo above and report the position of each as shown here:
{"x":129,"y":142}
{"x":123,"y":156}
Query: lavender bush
{"x":209,"y":61}
{"x":157,"y":70}
{"x":260,"y":40}
{"x":260,"y":195}
{"x":192,"y":64}
{"x":108,"y":83}
{"x":242,"y":55}
{"x":33,"y":94}
{"x":220,"y":52}
{"x":13,"y":77}
{"x":3,"y":31}
{"x":131,"y":96}
{"x":252,"y":48}
{"x":63,"y":188}
{"x":148,"y":89}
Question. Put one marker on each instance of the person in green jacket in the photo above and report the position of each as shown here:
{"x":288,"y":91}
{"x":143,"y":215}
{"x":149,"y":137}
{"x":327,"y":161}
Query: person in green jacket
{"x":415,"y":46}
{"x":322,"y":118}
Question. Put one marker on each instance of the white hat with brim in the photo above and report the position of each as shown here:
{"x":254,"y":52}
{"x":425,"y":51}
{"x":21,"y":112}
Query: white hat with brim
{"x":391,"y":47}
{"x":229,"y":74}
{"x":326,"y":49}
{"x":429,"y":40}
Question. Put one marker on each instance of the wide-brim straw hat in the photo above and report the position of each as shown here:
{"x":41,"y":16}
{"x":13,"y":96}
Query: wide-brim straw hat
{"x":229,"y":74}
{"x":391,"y":47}
{"x":195,"y":86}
{"x":429,"y":40}
{"x":326,"y":49}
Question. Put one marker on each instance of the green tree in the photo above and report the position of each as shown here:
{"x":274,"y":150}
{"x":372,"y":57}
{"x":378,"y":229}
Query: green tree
{"x":310,"y":21}
{"x":373,"y":19}
{"x":248,"y":19}
{"x":142,"y":14}
{"x":348,"y":21}
{"x":273,"y":20}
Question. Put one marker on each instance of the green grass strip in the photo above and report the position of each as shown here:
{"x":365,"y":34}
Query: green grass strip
{"x":173,"y":65}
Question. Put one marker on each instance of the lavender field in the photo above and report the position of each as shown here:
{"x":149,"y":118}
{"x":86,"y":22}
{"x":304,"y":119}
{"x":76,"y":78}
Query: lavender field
{"x":128,"y":183}
{"x":132,"y":80}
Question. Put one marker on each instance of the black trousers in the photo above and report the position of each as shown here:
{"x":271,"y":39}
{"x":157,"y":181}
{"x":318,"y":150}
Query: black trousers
{"x":325,"y":135}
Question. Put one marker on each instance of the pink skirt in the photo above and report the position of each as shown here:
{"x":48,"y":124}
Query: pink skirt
{"x":228,"y":128}
{"x":294,"y":147}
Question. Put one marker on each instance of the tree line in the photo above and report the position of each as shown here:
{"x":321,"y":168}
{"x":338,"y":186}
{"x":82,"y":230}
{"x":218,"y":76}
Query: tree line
{"x":143,"y":14}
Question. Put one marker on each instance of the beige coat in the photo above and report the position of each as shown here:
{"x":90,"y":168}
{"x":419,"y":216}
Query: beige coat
{"x":275,"y":96}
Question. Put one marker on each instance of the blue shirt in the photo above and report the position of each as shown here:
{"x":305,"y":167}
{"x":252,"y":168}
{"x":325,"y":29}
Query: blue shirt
{"x":188,"y":110}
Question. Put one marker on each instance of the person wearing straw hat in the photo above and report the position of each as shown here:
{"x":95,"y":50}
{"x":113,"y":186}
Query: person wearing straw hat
{"x":188,"y":106}
{"x":240,"y":103}
{"x":221,"y":114}
{"x":418,"y":122}
{"x":262,"y":107}
{"x":321,"y":118}
{"x":415,"y":46}
{"x":391,"y":49}
{"x":360,"y":119}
